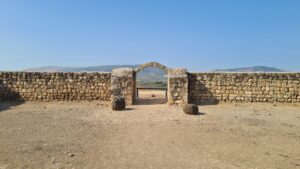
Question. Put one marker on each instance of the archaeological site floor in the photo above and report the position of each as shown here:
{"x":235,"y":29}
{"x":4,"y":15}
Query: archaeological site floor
{"x":82,"y":135}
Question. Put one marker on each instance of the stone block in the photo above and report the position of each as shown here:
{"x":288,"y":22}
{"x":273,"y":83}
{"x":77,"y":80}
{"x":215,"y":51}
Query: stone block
{"x":190,"y":109}
{"x":118,"y":103}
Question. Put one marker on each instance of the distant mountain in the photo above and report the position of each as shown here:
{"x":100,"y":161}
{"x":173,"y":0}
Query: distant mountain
{"x":151,"y":74}
{"x":147,"y":75}
{"x":104,"y":68}
{"x":251,"y":69}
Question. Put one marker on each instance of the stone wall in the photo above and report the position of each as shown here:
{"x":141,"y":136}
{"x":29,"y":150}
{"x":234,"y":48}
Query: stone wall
{"x":123,"y":84}
{"x":183,"y":87}
{"x":243,"y":87}
{"x":177,"y":86}
{"x":55,"y":86}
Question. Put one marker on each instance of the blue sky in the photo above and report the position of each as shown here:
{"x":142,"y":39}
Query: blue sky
{"x":198,"y":35}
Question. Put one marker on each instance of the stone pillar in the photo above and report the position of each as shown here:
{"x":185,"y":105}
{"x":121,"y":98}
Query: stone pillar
{"x":122,"y":84}
{"x":134,"y":87}
{"x":177,"y":86}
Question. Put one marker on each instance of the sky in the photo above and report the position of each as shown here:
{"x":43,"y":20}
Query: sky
{"x":199,"y":35}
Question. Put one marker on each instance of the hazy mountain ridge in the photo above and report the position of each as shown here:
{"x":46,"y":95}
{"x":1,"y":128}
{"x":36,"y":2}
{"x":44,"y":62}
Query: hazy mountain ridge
{"x":148,"y":74}
{"x":251,"y":69}
{"x":104,"y":68}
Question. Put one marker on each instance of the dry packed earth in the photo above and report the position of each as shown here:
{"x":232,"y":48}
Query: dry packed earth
{"x":147,"y":97}
{"x":38,"y":135}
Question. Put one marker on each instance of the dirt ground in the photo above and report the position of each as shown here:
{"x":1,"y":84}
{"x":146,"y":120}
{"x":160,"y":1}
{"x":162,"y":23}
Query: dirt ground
{"x":147,"y":97}
{"x":145,"y":93}
{"x":79,"y":135}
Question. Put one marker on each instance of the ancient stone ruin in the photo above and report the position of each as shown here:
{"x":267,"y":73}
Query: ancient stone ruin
{"x":183,"y":86}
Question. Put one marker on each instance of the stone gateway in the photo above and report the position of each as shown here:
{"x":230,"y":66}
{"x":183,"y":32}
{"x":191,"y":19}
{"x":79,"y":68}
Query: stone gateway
{"x":183,"y":86}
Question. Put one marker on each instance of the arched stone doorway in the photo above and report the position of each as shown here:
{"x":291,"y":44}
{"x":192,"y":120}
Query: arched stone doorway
{"x":161,"y":92}
{"x":123,"y":83}
{"x":151,"y":64}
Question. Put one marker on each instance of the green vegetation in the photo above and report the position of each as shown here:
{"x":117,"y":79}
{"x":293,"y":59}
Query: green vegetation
{"x":162,"y":84}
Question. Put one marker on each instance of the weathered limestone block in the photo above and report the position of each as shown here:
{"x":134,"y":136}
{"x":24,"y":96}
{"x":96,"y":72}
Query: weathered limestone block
{"x":122,"y":84}
{"x":178,"y":86}
{"x":151,"y":64}
{"x":118,"y":103}
{"x":190,"y":109}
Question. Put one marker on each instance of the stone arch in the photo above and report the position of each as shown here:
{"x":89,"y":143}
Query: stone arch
{"x":123,"y":83}
{"x":142,"y":67}
{"x":151,"y":64}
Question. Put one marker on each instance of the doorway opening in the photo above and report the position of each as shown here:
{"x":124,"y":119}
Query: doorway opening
{"x":151,"y":86}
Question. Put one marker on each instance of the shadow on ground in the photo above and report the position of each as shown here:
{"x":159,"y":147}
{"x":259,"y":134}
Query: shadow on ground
{"x":198,"y":114}
{"x":9,"y":97}
{"x":4,"y":105}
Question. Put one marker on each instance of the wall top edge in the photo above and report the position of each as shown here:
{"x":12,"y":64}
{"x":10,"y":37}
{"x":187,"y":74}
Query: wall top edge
{"x":244,"y":72}
{"x":21,"y":72}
